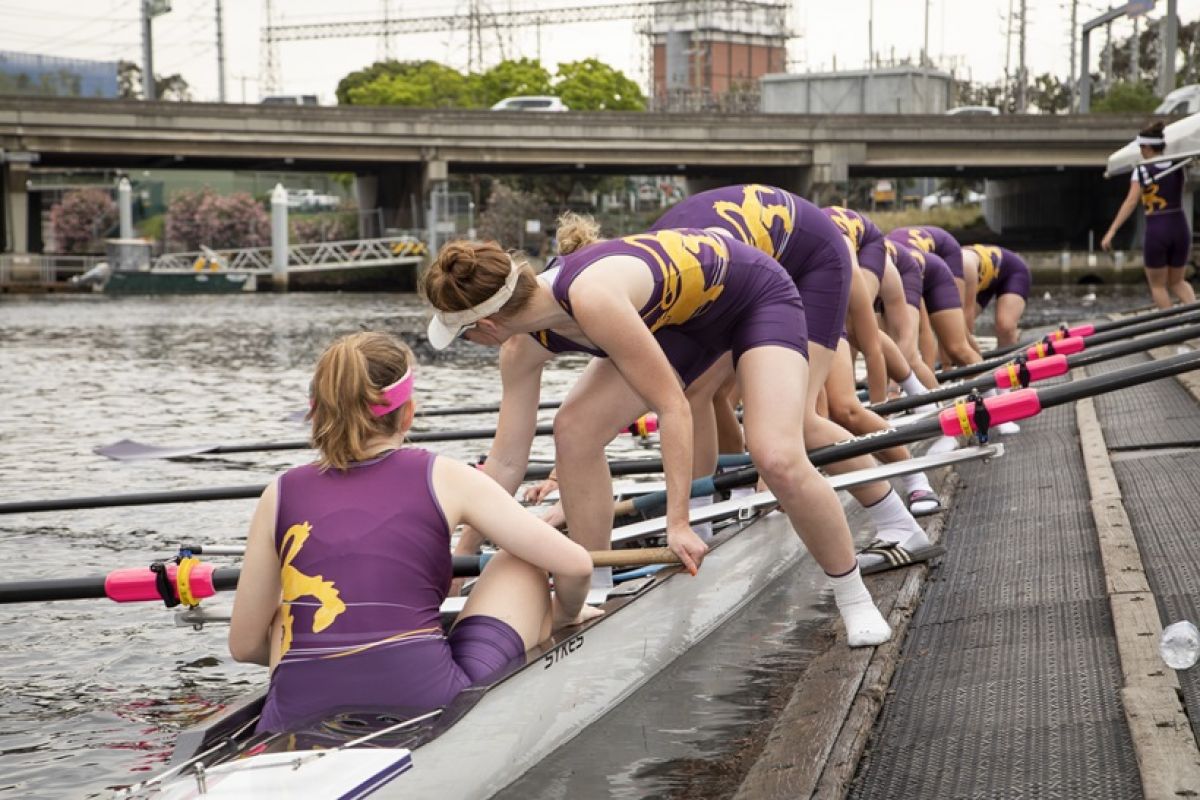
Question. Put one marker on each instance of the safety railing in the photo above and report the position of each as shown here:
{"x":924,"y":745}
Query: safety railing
{"x":38,"y":269}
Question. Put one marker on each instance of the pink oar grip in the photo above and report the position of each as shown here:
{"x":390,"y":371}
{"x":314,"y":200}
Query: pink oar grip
{"x":1039,"y":369}
{"x":1072,"y":344}
{"x":1081,"y":330}
{"x":1009,"y":407}
{"x":645,"y":425}
{"x":138,"y":583}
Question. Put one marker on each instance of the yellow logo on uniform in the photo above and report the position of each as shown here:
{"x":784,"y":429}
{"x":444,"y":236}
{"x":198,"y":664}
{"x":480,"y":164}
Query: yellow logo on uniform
{"x":850,"y":224}
{"x":1152,"y":201}
{"x":686,"y":291}
{"x":921,"y":240}
{"x":989,"y":264}
{"x":296,"y":585}
{"x":754,"y":219}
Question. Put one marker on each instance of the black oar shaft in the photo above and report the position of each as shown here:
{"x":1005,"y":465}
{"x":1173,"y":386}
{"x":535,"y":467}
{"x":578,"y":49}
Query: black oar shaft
{"x":33,"y":591}
{"x":1090,"y":356}
{"x":464,"y":434}
{"x":1109,"y":325}
{"x":486,"y":409}
{"x":1094,"y":340}
{"x":138,"y":499}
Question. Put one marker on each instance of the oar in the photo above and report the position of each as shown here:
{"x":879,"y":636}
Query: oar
{"x":633,"y":466}
{"x":129,"y":450}
{"x":204,"y":580}
{"x":494,"y":408}
{"x":1010,"y":407}
{"x":1074,"y":344}
{"x":1010,"y":374}
{"x":1087,"y":329}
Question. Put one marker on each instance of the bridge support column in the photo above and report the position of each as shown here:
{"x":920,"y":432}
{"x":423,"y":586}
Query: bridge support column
{"x":395,"y":197}
{"x":13,"y":179}
{"x":831,"y":169}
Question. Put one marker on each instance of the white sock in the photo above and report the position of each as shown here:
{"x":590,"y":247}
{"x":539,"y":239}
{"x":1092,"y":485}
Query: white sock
{"x":892,"y":520}
{"x":865,"y":626}
{"x":915,"y":482}
{"x":703,"y":529}
{"x":913,"y":387}
{"x":943,"y":445}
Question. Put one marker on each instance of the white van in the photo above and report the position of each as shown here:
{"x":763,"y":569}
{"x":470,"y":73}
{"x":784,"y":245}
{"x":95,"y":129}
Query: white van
{"x":1184,"y":100}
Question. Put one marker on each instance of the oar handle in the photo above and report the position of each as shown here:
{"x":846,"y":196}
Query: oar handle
{"x":633,"y":557}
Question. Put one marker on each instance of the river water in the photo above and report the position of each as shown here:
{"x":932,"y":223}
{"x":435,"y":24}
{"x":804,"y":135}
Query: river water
{"x":91,"y":692}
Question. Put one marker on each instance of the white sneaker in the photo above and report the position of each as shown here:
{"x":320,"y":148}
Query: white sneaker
{"x":1008,"y":428}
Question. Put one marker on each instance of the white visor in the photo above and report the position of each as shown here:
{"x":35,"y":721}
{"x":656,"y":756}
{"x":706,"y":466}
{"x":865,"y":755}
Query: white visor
{"x":1151,"y":141}
{"x":445,"y":326}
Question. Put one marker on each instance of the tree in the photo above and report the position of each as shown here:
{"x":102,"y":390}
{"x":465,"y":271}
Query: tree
{"x":362,"y":77}
{"x":1126,"y":98}
{"x":419,"y":84}
{"x":511,"y":78}
{"x":81,"y":218}
{"x":591,"y":85}
{"x":1049,"y":94}
{"x":507,"y":210}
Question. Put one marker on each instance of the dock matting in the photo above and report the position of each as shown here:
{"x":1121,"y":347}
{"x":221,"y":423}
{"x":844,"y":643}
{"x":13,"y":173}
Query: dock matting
{"x":1008,"y":683}
{"x":1152,"y":414}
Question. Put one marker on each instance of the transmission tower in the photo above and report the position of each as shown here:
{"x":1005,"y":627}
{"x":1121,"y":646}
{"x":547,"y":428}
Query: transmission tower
{"x":268,"y":71}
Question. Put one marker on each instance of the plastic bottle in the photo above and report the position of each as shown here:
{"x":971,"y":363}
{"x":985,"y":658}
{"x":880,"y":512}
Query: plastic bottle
{"x":1180,"y":645}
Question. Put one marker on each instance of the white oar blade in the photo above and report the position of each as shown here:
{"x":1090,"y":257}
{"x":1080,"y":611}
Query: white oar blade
{"x":129,"y":450}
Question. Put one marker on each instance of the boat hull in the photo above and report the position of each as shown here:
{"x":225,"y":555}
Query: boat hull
{"x":179,"y":282}
{"x":565,"y":686}
{"x":400,"y":277}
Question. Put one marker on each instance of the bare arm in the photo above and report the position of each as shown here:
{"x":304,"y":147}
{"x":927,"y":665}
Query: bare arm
{"x":466,"y":496}
{"x":608,"y":318}
{"x":521,"y":362}
{"x":971,"y":278}
{"x":864,"y":334}
{"x":1127,"y":207}
{"x":258,"y":593}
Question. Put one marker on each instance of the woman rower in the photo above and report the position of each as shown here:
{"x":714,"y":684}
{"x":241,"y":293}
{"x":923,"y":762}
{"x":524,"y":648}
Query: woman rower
{"x":814,"y":252}
{"x":659,"y":308}
{"x":1167,"y":244}
{"x":348,"y":560}
{"x":932,"y":239}
{"x":1005,"y":276}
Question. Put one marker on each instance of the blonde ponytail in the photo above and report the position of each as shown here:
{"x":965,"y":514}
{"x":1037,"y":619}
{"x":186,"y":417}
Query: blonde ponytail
{"x":576,"y":231}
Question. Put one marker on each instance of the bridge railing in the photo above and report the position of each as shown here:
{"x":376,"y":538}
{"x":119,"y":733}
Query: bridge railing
{"x":386,"y":250}
{"x":42,"y":268}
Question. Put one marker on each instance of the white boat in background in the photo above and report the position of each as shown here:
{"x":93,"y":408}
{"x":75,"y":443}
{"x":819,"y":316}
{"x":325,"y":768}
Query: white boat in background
{"x":1183,"y":141}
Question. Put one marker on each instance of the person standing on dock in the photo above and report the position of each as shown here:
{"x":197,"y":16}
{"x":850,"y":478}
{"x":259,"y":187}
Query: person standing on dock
{"x":659,"y":308}
{"x":1167,"y":245}
{"x":357,"y":546}
{"x":1005,"y":276}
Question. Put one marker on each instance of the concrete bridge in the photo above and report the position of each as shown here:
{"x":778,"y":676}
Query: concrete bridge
{"x":398,"y":153}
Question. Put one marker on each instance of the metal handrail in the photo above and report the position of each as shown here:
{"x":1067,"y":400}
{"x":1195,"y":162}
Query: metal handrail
{"x":386,"y":250}
{"x":42,"y":268}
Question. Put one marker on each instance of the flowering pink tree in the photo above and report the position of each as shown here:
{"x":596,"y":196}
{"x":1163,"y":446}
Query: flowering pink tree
{"x":81,"y":219}
{"x":203,"y":217}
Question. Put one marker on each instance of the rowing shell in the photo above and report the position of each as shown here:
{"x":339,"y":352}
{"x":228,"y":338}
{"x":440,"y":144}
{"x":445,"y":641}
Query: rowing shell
{"x":565,"y":685}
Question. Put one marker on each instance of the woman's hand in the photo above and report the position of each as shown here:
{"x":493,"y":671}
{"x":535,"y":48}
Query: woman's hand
{"x":537,"y":493}
{"x":554,"y":516}
{"x":1106,"y":242}
{"x":561,"y":621}
{"x":690,"y":548}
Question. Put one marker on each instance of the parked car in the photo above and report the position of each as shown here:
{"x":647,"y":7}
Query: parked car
{"x":310,"y":200}
{"x":290,"y":100}
{"x":948,"y":198}
{"x":1182,"y":101}
{"x":973,"y":111}
{"x":533,"y":102}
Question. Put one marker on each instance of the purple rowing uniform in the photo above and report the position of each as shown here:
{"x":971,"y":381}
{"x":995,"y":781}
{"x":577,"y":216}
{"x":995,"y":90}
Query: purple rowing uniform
{"x":711,"y":295}
{"x":938,"y":289}
{"x":790,"y":230}
{"x":931,"y":239}
{"x":1168,"y":240}
{"x":365,"y":557}
{"x":912,"y":271}
{"x":1001,"y":271}
{"x":864,"y":235}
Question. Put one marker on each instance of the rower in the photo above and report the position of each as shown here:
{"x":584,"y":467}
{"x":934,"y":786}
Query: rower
{"x":658,"y":309}
{"x":814,"y":253}
{"x":357,"y":545}
{"x":1167,"y":244}
{"x":932,"y":239}
{"x":1005,"y":276}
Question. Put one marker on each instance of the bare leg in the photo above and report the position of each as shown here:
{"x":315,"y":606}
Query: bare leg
{"x":951,"y":331}
{"x":513,"y":591}
{"x":1157,"y":278}
{"x":1179,"y":285}
{"x":846,"y":410}
{"x":929,"y":343}
{"x":1009,"y":308}
{"x":706,"y":422}
{"x":729,"y":428}
{"x":768,"y":376}
{"x":597,"y":407}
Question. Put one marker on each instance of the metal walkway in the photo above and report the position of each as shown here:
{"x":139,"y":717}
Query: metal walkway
{"x":1008,"y":683}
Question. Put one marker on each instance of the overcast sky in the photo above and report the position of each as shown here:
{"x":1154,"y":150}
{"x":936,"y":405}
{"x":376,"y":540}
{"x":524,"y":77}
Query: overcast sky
{"x":968,"y":34}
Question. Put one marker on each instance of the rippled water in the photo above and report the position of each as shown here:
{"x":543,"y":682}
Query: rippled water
{"x":92,"y":692}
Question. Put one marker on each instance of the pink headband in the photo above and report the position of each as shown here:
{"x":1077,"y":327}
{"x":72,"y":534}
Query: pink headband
{"x":395,"y":395}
